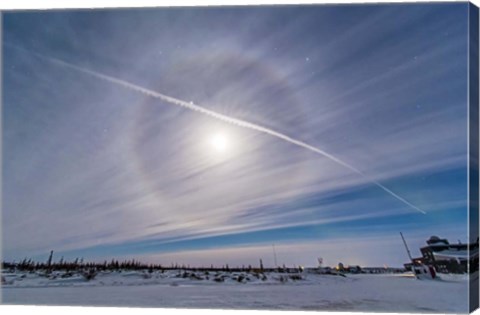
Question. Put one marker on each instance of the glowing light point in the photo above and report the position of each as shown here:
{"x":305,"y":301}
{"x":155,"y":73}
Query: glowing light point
{"x":219,"y":142}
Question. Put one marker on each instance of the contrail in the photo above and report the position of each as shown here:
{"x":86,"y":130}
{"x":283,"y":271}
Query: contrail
{"x":213,"y":114}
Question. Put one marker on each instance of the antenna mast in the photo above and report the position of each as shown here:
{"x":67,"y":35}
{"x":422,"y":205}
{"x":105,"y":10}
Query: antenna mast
{"x":274,"y":255}
{"x":406,"y":247}
{"x":409,"y":255}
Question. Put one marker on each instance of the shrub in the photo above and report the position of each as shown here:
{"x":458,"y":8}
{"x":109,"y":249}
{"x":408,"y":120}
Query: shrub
{"x":90,"y":275}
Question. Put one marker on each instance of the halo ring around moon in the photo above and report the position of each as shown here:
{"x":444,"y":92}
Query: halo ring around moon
{"x":187,"y":79}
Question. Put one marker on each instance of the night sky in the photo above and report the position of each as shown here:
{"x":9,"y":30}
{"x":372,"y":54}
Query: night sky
{"x":96,"y":169}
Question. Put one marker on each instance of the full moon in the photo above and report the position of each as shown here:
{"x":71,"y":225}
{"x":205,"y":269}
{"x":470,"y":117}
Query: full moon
{"x":219,"y":142}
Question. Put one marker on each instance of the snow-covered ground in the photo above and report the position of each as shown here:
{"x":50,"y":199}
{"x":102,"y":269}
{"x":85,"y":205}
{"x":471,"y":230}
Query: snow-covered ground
{"x":361,"y":292}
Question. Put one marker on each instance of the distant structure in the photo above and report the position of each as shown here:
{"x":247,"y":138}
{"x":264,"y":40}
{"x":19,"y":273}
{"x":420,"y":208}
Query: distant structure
{"x":340,"y":267}
{"x":448,"y":258}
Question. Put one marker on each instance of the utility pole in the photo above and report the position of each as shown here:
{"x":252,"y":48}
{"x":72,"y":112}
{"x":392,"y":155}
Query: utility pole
{"x":274,"y":255}
{"x":49,"y":262}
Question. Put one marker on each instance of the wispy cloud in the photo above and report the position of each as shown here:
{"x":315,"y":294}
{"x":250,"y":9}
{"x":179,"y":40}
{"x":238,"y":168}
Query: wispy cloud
{"x":378,"y":250}
{"x":88,"y":163}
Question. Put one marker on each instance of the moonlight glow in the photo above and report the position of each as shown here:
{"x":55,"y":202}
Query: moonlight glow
{"x":219,"y":142}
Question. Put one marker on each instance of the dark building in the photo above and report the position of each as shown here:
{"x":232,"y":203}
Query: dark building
{"x":448,"y":258}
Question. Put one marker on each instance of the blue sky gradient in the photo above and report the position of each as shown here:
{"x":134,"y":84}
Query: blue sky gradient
{"x":96,"y":170}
